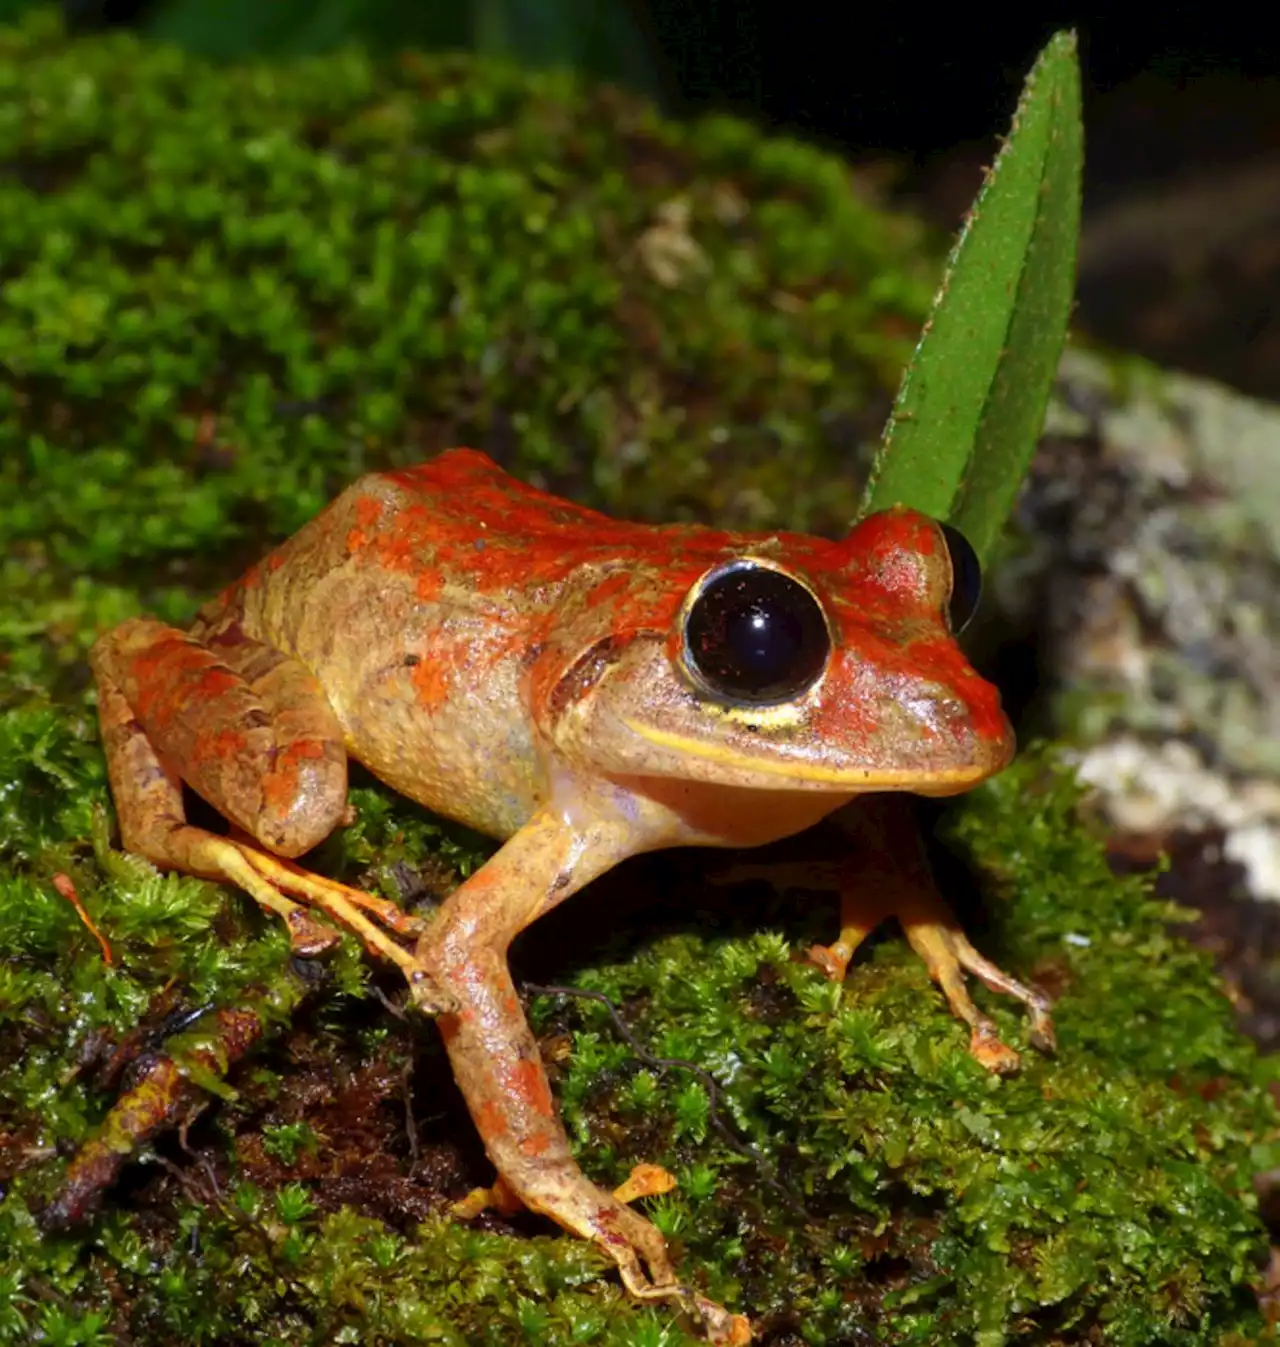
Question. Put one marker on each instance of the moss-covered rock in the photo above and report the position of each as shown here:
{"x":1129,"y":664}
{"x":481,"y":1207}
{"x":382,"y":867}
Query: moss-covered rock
{"x":225,"y":293}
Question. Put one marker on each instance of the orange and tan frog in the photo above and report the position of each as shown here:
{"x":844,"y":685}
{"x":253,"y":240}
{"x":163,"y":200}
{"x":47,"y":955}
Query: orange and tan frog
{"x":587,"y":690}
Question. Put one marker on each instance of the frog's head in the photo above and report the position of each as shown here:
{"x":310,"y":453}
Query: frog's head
{"x":792,"y":664}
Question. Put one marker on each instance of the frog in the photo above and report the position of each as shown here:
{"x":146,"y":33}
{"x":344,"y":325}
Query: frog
{"x":583,"y":689}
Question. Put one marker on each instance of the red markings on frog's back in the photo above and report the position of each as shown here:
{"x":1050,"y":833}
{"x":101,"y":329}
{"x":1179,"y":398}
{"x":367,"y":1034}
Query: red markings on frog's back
{"x":368,"y":512}
{"x":464,"y":519}
{"x":459,"y":519}
{"x":465,"y":489}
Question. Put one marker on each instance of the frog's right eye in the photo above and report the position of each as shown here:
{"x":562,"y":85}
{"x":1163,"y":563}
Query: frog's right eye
{"x":966,"y":579}
{"x":753,"y":635}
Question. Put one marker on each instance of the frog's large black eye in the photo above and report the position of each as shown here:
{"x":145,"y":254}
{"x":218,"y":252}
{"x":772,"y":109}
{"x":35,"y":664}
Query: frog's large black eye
{"x":966,"y":579}
{"x":754,"y":635}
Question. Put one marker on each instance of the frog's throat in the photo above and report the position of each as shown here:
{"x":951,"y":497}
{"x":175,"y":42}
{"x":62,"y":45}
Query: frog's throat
{"x":936,"y":781}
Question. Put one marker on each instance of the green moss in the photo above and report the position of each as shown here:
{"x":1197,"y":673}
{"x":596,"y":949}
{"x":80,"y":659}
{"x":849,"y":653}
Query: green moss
{"x":225,"y":293}
{"x":1102,"y":1192}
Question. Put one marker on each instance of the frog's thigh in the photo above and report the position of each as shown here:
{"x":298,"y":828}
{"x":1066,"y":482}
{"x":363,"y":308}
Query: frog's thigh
{"x":148,"y":799}
{"x":246,"y":727}
{"x":494,"y":1054}
{"x":171,"y":709}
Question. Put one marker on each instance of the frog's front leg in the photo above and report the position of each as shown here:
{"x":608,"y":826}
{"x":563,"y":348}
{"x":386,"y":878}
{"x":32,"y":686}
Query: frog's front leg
{"x":885,"y":873}
{"x":494,"y":1054}
{"x":253,"y":733}
{"x":891,"y":877}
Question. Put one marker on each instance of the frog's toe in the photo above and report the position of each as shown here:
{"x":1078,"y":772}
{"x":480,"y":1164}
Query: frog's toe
{"x":1043,"y":1035}
{"x":833,"y":959}
{"x":636,"y":1245}
{"x":990,"y":1051}
{"x":268,"y":878}
{"x":308,"y":936}
{"x":718,"y":1324}
{"x":645,"y":1267}
{"x":948,"y":955}
{"x":706,"y":1317}
{"x":427,"y":993}
{"x":1039,"y":1006}
{"x":341,"y":901}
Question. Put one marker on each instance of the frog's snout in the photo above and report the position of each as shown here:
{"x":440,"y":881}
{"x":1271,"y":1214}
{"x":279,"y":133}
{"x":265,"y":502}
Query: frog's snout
{"x":945,"y":729}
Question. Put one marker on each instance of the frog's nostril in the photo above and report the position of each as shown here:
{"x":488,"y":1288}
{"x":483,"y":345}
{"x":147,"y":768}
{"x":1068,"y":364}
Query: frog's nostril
{"x":939,"y":713}
{"x":936,"y":706}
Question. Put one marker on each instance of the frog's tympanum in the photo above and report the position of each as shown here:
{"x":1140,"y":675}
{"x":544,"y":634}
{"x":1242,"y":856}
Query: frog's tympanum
{"x":587,"y":690}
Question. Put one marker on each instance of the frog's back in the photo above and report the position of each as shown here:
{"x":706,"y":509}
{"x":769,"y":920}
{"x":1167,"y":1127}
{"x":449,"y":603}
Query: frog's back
{"x":417,"y":598}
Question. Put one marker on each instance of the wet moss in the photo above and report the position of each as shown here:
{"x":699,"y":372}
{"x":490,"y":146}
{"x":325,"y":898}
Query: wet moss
{"x":1097,"y":1196}
{"x":226,"y":292}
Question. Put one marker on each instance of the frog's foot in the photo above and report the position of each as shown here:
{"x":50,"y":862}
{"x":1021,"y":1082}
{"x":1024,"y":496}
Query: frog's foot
{"x":933,"y":933}
{"x":268,"y":878}
{"x":639,"y":1251}
{"x":643,"y":1181}
{"x":889,"y":889}
{"x":947,"y":954}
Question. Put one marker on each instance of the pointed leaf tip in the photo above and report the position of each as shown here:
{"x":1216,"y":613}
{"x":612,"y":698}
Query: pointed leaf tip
{"x":972,"y":401}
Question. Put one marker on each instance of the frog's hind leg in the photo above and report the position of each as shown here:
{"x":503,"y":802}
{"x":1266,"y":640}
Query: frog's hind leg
{"x":250,"y":730}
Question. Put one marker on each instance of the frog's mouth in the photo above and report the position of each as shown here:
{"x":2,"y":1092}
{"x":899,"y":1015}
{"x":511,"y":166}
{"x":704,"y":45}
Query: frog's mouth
{"x":934,"y":780}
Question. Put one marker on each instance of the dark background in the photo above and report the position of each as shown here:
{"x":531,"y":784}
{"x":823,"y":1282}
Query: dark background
{"x":1181,"y":250}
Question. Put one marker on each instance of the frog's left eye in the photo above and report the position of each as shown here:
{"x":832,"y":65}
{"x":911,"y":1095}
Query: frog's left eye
{"x":966,"y":579}
{"x":754,"y":636}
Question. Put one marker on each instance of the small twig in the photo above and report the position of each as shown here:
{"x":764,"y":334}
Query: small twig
{"x":709,"y":1083}
{"x":410,"y":1126}
{"x":210,"y":1174}
{"x":191,"y":1186}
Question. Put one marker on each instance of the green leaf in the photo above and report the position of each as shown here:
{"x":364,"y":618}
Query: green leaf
{"x":973,"y":399}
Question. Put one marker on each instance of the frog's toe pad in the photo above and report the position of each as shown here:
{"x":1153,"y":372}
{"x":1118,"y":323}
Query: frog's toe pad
{"x":1043,"y":1035}
{"x":308,"y":937}
{"x":832,"y":959}
{"x":501,"y":1197}
{"x":645,"y":1181}
{"x":991,"y":1052}
{"x":719,"y":1325}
